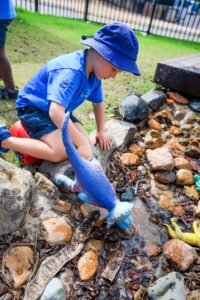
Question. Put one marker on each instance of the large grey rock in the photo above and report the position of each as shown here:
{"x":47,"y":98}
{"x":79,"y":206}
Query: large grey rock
{"x":134,"y":109}
{"x":17,"y":191}
{"x":54,"y":291}
{"x":169,"y":287}
{"x":51,"y":169}
{"x":120,"y":132}
{"x":154,"y":99}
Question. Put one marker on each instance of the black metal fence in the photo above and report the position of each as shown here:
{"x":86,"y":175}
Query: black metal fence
{"x":173,"y":18}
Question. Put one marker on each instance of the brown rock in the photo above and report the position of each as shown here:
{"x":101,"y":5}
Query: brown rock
{"x":177,"y":98}
{"x":164,"y":201}
{"x":165,"y":177}
{"x":176,"y":146}
{"x":58,"y":230}
{"x":153,"y":139}
{"x":163,"y":114}
{"x":198,"y":210}
{"x":137,"y":150}
{"x":175,"y":130}
{"x":152,"y":250}
{"x":178,"y":210}
{"x":184,"y":177}
{"x":94,"y":245}
{"x":129,"y":159}
{"x":170,"y":101}
{"x":182,"y":163}
{"x":17,"y":262}
{"x":87,"y":209}
{"x":191,"y":192}
{"x":179,"y":253}
{"x":160,"y":159}
{"x":62,"y":206}
{"x":46,"y":186}
{"x":87,"y":265}
{"x":133,"y":175}
{"x":153,"y":124}
{"x":193,"y":295}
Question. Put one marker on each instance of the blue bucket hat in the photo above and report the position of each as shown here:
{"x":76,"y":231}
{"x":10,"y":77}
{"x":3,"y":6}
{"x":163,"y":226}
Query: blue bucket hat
{"x":117,"y":44}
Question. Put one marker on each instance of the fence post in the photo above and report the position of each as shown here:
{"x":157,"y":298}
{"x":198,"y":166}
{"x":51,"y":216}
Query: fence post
{"x":36,"y":5}
{"x":86,"y":10}
{"x":152,"y":16}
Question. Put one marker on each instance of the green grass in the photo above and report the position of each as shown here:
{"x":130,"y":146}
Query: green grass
{"x":34,"y":39}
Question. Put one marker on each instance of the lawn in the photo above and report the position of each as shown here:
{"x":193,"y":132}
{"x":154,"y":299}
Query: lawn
{"x":34,"y":39}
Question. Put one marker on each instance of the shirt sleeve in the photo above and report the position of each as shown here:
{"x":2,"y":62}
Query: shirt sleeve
{"x":97,"y":94}
{"x":62,"y":85}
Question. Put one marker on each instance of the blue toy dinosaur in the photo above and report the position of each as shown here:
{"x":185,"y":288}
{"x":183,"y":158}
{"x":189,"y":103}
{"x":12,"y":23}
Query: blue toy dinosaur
{"x":92,"y":184}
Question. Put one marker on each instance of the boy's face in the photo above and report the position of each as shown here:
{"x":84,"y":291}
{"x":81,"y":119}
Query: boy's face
{"x":103,"y":69}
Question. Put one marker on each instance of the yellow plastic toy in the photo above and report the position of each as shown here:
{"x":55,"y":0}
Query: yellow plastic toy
{"x":192,"y":238}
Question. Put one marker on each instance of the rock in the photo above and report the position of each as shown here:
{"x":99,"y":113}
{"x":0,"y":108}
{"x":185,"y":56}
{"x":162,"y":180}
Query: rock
{"x":179,"y":114}
{"x":153,"y":139}
{"x":191,"y":192}
{"x":197,"y":212}
{"x":178,"y":210}
{"x":134,"y":109}
{"x":62,"y":206}
{"x":58,"y":230}
{"x":169,"y":287}
{"x":176,"y":131}
{"x":178,"y":98}
{"x":94,"y":245}
{"x":16,"y":265}
{"x":169,"y":101}
{"x":51,"y":169}
{"x":152,"y":250}
{"x":67,"y":281}
{"x":127,"y":195}
{"x":137,"y":150}
{"x":182,"y":163}
{"x":163,"y":114}
{"x":176,"y":146}
{"x":121,"y":134}
{"x":164,"y":201}
{"x":160,"y":159}
{"x":194,"y":104}
{"x":193,"y":295}
{"x":154,"y":99}
{"x":87,"y":265}
{"x":87,"y":209}
{"x":153,"y":124}
{"x":179,"y":253}
{"x":17,"y":192}
{"x":46,"y":186}
{"x":150,"y":232}
{"x":184,"y":177}
{"x":192,"y":152}
{"x":129,"y":159}
{"x":165,"y":177}
{"x":54,"y":291}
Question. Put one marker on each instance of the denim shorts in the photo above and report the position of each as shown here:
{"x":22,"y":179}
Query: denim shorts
{"x":3,"y":29}
{"x":38,"y":122}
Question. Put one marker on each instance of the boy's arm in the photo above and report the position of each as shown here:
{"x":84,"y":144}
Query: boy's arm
{"x":57,"y":115}
{"x":101,"y":138}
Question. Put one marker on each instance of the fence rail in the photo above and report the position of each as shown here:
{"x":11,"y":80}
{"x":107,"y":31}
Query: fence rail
{"x":172,"y":18}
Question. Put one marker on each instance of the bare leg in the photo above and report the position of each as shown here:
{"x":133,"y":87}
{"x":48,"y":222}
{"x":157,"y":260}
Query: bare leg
{"x":49,"y":147}
{"x":6,"y":70}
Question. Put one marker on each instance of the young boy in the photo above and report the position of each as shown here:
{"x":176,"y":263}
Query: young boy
{"x":7,"y":14}
{"x":62,"y":85}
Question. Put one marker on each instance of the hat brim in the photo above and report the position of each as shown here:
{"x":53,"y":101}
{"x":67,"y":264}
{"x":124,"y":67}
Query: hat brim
{"x":114,"y":58}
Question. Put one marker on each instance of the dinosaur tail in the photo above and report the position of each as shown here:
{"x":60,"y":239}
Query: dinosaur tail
{"x":73,"y":156}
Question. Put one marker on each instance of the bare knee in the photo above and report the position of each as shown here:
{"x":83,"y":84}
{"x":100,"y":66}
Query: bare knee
{"x":57,"y":157}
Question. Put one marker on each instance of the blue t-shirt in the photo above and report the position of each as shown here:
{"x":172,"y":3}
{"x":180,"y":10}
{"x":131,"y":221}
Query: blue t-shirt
{"x":7,"y":10}
{"x":62,"y":80}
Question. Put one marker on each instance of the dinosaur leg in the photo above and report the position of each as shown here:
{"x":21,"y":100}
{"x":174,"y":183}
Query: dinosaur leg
{"x":125,"y":222}
{"x":121,"y":209}
{"x":171,"y":232}
{"x":83,"y":197}
{"x":69,"y":184}
{"x":177,"y":228}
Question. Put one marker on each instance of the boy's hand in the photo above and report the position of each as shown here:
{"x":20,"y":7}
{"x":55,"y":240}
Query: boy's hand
{"x":103,"y":140}
{"x":85,"y":151}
